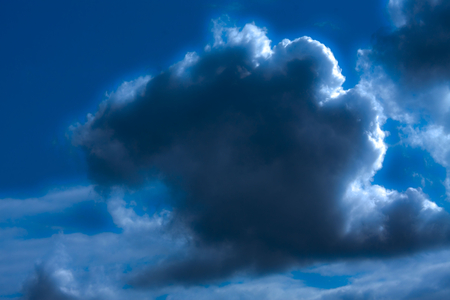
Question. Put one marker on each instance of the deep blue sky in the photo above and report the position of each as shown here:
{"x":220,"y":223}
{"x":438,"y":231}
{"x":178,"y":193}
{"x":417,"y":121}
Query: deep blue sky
{"x":58,"y":58}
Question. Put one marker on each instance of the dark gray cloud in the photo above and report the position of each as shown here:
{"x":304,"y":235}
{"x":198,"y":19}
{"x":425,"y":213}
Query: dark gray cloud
{"x":42,"y":286}
{"x":408,"y":65}
{"x":260,"y":148}
{"x":418,"y":51}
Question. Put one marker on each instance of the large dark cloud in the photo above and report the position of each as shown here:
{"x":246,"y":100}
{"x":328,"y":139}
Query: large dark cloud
{"x":259,"y":148}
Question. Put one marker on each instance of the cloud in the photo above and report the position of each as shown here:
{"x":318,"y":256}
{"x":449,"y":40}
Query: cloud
{"x":421,"y":276}
{"x":417,"y":50}
{"x":267,"y":159}
{"x":84,"y":266}
{"x":407,"y":69}
{"x":54,"y":201}
{"x":44,"y":286}
{"x":436,"y":140}
{"x":408,"y":66}
{"x":126,"y":217}
{"x":268,"y":164}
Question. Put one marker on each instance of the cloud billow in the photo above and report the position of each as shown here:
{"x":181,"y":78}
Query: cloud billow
{"x":407,"y":69}
{"x":418,"y":49}
{"x":408,"y":65}
{"x":268,"y":160}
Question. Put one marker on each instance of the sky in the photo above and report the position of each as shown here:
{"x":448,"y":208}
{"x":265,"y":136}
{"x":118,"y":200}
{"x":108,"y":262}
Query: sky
{"x":225,"y":150}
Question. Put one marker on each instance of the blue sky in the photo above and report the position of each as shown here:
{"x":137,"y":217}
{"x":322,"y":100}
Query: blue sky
{"x":225,"y":150}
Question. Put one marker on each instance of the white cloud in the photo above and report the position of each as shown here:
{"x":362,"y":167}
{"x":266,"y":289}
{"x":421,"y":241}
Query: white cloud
{"x":126,"y":218}
{"x":129,"y":90}
{"x":250,"y":36}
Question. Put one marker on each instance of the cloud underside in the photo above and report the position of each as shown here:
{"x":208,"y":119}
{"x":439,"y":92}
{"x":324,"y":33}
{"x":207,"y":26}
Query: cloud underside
{"x":267,"y":159}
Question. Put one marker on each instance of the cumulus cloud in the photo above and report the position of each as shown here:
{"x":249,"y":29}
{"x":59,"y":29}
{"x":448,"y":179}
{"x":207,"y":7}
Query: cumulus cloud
{"x":417,"y":51}
{"x":267,"y":159}
{"x":408,"y":66}
{"x":407,"y":69}
{"x":268,"y":164}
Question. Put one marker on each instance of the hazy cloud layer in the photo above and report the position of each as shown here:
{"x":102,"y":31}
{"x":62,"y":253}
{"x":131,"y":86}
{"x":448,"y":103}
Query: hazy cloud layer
{"x":423,"y":276}
{"x":54,"y":201}
{"x":267,"y":159}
